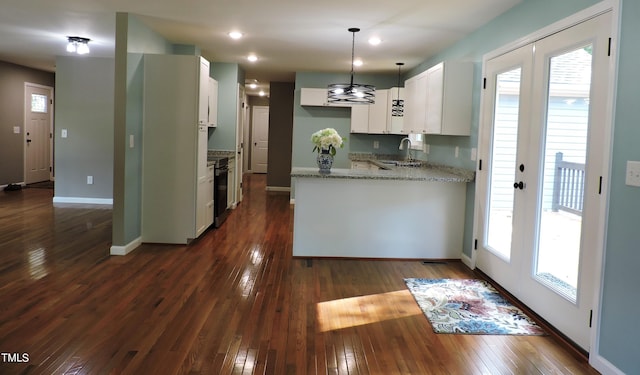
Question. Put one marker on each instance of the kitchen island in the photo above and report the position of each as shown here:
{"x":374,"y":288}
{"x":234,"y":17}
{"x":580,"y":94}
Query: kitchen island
{"x":392,"y":212}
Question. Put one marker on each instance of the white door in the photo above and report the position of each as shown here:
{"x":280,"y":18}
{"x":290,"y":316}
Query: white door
{"x":260,"y":142}
{"x":38,"y":132}
{"x":542,"y":137}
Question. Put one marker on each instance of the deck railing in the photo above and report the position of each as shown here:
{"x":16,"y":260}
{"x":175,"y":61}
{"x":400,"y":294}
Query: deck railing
{"x":568,"y":186}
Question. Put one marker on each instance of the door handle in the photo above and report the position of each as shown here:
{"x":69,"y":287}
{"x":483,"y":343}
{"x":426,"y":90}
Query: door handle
{"x":28,"y":141}
{"x":518,"y":185}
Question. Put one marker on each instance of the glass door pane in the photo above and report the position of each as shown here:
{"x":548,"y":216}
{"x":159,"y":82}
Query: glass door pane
{"x":503,"y":163}
{"x":562,"y":190}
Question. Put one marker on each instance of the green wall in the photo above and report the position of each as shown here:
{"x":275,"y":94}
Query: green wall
{"x":228,"y":75}
{"x":133,"y":39}
{"x":84,"y":107}
{"x":619,"y":332}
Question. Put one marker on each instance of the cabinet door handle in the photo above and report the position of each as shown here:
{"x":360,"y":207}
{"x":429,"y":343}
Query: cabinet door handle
{"x":518,"y":185}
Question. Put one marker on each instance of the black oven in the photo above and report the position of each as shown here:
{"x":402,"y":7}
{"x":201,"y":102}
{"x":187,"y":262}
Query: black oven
{"x":220,"y":183}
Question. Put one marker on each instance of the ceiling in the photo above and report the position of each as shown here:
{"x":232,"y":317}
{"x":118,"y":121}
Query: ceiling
{"x":286,"y":35}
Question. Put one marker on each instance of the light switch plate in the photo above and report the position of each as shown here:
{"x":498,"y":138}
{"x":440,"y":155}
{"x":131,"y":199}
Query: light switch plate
{"x":16,"y":130}
{"x":63,"y":133}
{"x":633,"y":173}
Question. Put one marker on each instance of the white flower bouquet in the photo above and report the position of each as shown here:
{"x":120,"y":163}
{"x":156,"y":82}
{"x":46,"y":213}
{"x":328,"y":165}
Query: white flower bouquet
{"x":327,"y":139}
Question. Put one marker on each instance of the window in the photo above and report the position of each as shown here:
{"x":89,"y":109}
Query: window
{"x":38,"y":103}
{"x":416,"y":141}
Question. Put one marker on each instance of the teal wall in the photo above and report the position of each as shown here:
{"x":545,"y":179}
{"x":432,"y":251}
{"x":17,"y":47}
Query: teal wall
{"x":228,"y":75}
{"x":84,"y":107}
{"x":133,"y":39}
{"x":308,"y":120}
{"x":619,"y":331}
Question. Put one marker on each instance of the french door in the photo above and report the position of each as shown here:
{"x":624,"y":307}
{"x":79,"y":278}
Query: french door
{"x":538,"y":195}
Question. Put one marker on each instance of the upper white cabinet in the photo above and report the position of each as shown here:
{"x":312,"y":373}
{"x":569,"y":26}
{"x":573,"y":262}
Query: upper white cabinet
{"x":372,"y":118}
{"x":213,"y":103}
{"x":395,"y":121}
{"x":203,"y":89}
{"x":438,"y":101}
{"x":318,"y":98}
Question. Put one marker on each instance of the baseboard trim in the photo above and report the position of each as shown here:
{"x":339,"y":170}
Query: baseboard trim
{"x":126,"y":249}
{"x":467,"y":261}
{"x":278,"y":188}
{"x":75,"y":200}
{"x":603,"y":366}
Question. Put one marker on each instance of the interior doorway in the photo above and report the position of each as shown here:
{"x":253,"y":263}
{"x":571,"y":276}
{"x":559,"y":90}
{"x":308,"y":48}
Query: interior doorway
{"x":38,"y":133}
{"x":260,"y":141}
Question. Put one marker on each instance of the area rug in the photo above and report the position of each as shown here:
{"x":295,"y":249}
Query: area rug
{"x":469,"y":307}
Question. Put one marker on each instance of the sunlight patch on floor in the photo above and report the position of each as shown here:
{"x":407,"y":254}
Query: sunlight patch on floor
{"x":358,"y":311}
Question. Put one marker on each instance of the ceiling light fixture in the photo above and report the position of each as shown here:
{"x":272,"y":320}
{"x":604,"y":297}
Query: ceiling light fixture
{"x":235,"y":35}
{"x":374,"y":40}
{"x":397,"y":105}
{"x":253,"y":85}
{"x":352,"y":93}
{"x":252,"y":58}
{"x":78,"y":45}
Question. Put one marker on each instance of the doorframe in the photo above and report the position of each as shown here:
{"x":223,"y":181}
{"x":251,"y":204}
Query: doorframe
{"x":24,"y":129}
{"x":595,"y":360}
{"x":253,"y":128}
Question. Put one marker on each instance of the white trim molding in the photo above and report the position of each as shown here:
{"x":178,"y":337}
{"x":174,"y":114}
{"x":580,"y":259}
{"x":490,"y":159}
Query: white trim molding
{"x":126,"y":249}
{"x":77,"y":200}
{"x":278,"y":188}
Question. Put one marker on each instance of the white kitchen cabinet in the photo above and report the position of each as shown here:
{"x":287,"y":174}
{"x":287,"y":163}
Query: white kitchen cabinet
{"x":360,"y":119}
{"x":208,"y":196}
{"x":450,"y":93}
{"x":213,"y":103}
{"x":378,"y":113}
{"x":371,"y":118}
{"x":174,"y":150}
{"x":315,"y":97}
{"x":203,"y":192}
{"x":395,"y":122}
{"x":415,"y":104}
{"x":438,"y":100}
{"x":203,"y":92}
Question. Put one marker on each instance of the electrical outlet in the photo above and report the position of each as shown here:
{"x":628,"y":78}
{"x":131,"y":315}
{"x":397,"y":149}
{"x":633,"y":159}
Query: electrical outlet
{"x":89,"y":180}
{"x":63,"y":133}
{"x":16,"y":130}
{"x":425,"y":148}
{"x":376,"y":145}
{"x":131,"y":143}
{"x":457,"y":151}
{"x":633,"y":173}
{"x":474,"y":154}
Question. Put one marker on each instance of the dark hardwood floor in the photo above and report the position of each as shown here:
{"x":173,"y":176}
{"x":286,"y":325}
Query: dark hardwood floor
{"x":232,"y":302}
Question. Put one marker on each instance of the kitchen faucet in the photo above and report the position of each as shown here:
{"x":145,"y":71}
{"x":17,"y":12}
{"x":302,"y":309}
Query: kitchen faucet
{"x":409,"y":158}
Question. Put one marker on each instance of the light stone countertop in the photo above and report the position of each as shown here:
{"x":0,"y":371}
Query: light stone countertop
{"x":430,"y":173}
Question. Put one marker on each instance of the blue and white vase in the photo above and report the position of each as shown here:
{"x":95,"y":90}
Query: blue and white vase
{"x":325,"y":161}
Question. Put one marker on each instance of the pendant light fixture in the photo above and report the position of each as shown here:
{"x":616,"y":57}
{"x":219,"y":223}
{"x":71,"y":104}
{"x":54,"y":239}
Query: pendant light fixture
{"x":351,"y":93}
{"x":397,"y":104}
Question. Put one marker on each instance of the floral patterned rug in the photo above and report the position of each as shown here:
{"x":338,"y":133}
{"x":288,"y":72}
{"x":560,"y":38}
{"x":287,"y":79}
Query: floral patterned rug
{"x":469,"y":307}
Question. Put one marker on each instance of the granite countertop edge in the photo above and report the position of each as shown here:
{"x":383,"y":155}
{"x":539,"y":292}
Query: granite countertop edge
{"x":429,"y":173}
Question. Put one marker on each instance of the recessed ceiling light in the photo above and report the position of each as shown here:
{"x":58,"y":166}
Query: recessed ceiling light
{"x":253,"y":85}
{"x":261,"y":93}
{"x":374,"y":40}
{"x":357,"y":62}
{"x":235,"y":35}
{"x":252,"y":58}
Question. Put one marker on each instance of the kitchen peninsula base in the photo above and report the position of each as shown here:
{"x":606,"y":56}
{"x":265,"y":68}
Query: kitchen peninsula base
{"x":378,"y":218}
